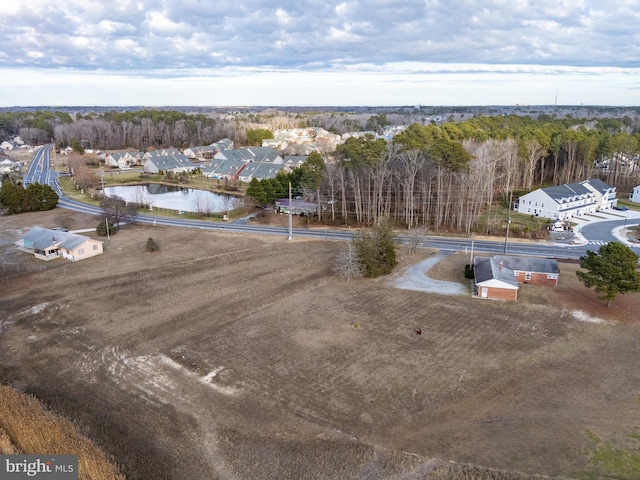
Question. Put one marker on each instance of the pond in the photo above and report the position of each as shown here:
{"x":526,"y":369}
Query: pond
{"x":174,"y":198}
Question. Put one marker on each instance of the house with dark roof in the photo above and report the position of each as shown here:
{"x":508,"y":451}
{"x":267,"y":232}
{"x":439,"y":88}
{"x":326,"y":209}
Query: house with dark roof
{"x":297,"y":207}
{"x":176,"y":163}
{"x":223,"y":169}
{"x":46,"y":244}
{"x":532,"y":270}
{"x":499,"y":277}
{"x":493,"y":280}
{"x":251,"y":154}
{"x":261,"y":171}
{"x":567,"y":201}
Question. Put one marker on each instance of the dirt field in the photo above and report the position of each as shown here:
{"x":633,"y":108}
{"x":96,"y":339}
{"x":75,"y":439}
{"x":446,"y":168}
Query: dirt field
{"x":235,"y":357}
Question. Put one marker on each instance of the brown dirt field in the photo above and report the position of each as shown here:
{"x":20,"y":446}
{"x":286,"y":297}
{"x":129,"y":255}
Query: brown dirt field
{"x":234,"y":356}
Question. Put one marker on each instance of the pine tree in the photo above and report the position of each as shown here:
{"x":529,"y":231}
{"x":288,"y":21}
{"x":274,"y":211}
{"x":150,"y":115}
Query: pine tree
{"x":612,"y":270}
{"x":152,"y":246}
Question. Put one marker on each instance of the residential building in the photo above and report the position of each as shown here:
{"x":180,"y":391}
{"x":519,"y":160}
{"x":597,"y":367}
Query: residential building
{"x":297,"y":207}
{"x":251,"y":154}
{"x":47,"y":244}
{"x":635,"y":195}
{"x":176,"y":163}
{"x":493,"y":280}
{"x":531,"y":270}
{"x":568,"y":200}
{"x":223,"y":169}
{"x":605,"y":194}
{"x":499,"y":277}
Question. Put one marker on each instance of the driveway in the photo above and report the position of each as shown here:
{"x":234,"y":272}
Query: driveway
{"x":415,"y":277}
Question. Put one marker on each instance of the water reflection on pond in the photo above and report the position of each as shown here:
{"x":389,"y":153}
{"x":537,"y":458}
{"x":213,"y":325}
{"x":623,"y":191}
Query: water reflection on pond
{"x":174,"y":198}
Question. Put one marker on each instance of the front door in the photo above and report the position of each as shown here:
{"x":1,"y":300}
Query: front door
{"x":483,"y":292}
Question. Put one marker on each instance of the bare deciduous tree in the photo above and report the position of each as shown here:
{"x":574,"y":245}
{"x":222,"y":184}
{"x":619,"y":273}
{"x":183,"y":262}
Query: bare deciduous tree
{"x":348,"y":264}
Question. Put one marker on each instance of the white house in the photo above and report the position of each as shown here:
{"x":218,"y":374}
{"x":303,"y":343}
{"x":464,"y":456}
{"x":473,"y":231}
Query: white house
{"x":635,"y":195}
{"x":605,"y":194}
{"x":568,"y":200}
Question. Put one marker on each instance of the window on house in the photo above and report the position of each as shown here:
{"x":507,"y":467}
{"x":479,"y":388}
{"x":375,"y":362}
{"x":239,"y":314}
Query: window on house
{"x":527,"y":276}
{"x":95,"y":247}
{"x":552,"y":276}
{"x":81,"y":251}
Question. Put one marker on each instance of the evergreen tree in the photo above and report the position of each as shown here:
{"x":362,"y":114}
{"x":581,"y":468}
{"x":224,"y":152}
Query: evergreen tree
{"x":256,"y":191}
{"x":152,"y":246}
{"x":12,"y":197}
{"x":612,"y":270}
{"x":39,"y":197}
{"x":377,"y":250}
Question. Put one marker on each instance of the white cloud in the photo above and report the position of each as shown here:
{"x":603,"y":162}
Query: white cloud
{"x":160,"y":38}
{"x":403,"y":84}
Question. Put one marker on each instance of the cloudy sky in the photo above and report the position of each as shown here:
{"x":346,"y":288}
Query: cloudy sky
{"x":319,"y":52}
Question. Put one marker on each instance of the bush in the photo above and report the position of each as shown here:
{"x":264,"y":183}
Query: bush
{"x":152,"y":246}
{"x":101,"y":229}
{"x":468,"y":271}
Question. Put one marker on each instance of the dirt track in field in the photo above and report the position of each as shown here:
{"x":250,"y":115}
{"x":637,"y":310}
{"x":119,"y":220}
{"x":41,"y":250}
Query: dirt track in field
{"x":232,"y":356}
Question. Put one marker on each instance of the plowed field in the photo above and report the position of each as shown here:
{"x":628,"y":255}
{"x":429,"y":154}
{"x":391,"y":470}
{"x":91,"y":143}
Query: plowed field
{"x":234,"y":356}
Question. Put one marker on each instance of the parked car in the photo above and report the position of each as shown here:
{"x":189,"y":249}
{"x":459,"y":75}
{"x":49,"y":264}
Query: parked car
{"x":621,"y":208}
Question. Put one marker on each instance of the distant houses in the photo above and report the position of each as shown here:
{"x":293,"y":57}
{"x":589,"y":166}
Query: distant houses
{"x":245,"y":164}
{"x":206,"y":152}
{"x":218,"y":161}
{"x":569,"y":200}
{"x":635,"y":195}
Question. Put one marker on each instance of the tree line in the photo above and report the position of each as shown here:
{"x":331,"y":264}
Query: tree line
{"x":447,"y":177}
{"x":36,"y":197}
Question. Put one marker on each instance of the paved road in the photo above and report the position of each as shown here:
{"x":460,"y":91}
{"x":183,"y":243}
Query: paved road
{"x":595,"y":231}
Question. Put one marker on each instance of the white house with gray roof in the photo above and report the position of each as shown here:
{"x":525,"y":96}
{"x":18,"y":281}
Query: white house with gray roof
{"x":172,"y":163}
{"x":567,"y":201}
{"x":635,"y":195}
{"x":223,"y":169}
{"x":605,"y":194}
{"x":251,"y":154}
{"x":260,"y":171}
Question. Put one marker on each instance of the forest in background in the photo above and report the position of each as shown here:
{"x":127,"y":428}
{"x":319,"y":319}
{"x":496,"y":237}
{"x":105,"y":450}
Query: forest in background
{"x":444,"y":172}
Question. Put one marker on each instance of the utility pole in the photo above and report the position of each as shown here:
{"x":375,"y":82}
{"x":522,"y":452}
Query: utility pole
{"x":290,"y":215}
{"x":506,"y":240}
{"x":471,"y":256}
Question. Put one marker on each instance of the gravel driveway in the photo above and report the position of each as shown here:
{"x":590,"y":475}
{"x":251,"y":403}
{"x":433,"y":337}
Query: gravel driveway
{"x":415,"y":278}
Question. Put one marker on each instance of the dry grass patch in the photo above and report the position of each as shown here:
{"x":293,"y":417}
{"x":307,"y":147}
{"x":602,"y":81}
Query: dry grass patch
{"x":27,"y":427}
